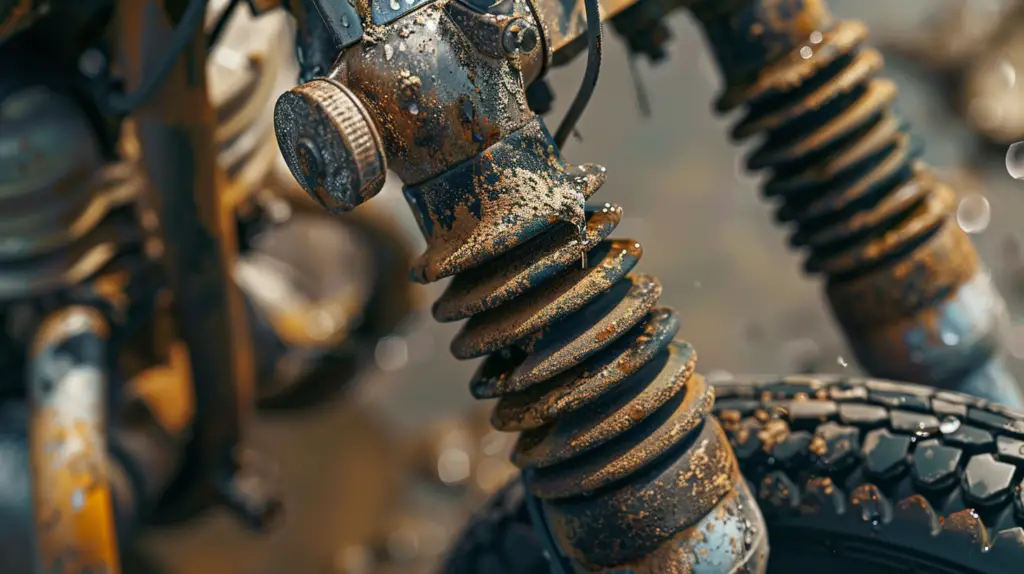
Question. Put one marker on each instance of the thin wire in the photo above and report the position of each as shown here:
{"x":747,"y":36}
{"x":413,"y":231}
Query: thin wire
{"x":222,"y":23}
{"x":642,"y":101}
{"x":191,"y":23}
{"x":594,"y":48}
{"x":556,"y":561}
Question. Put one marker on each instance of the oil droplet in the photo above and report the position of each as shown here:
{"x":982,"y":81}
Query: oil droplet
{"x":806,"y":52}
{"x":949,"y":425}
{"x":1015,"y":160}
{"x":974,"y":213}
{"x":388,"y":52}
{"x":842,"y":362}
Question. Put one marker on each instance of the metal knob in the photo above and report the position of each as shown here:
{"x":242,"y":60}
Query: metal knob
{"x":331,"y":144}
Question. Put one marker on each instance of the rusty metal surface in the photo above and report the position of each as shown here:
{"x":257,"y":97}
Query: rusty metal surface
{"x":901,"y":275}
{"x":724,"y":265}
{"x":74,"y":509}
{"x":88,"y":214}
{"x":488,"y":184}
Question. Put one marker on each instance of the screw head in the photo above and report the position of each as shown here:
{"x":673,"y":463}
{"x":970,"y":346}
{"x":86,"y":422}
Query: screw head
{"x":520,"y":37}
{"x":331,"y":144}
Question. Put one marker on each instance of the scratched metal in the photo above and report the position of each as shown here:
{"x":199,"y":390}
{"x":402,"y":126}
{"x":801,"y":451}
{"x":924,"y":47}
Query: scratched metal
{"x":846,"y":173}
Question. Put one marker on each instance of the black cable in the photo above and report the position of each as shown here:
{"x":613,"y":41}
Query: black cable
{"x":190,"y":24}
{"x":222,"y":23}
{"x":579,"y":103}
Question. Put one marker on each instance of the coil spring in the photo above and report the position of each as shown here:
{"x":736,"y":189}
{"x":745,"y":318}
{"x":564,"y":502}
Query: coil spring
{"x":66,"y":215}
{"x":843,"y":167}
{"x":579,"y":353}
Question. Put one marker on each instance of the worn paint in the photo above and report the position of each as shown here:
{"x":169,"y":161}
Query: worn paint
{"x":71,"y":498}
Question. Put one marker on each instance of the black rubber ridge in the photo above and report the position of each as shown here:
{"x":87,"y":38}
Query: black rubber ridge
{"x":853,"y":476}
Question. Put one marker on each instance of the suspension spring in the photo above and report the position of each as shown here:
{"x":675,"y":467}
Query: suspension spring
{"x":586,"y":366}
{"x":903,"y":278}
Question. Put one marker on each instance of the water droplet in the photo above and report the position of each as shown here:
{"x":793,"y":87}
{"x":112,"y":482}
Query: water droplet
{"x":344,"y":20}
{"x":395,"y":5}
{"x":949,"y":425}
{"x":1015,"y":160}
{"x":391,"y":353}
{"x":414,"y":109}
{"x":842,"y":362}
{"x":806,"y":52}
{"x":816,"y":37}
{"x":950,"y":338}
{"x":974,"y":213}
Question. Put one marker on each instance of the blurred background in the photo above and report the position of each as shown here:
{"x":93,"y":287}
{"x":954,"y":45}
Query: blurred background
{"x":379,"y":479}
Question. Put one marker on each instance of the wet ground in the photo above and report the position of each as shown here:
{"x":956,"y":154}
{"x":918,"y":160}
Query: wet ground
{"x":706,"y":234}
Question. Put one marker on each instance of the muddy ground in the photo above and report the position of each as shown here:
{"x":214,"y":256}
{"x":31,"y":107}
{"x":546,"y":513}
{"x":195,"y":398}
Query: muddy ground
{"x":706,"y":234}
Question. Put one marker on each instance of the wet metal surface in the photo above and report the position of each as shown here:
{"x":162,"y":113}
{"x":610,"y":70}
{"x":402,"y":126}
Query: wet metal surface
{"x":845,"y":173}
{"x":709,"y":238}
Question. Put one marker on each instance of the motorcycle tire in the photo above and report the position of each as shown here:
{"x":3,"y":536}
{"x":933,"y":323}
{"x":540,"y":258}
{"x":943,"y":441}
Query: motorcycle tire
{"x":852,"y":476}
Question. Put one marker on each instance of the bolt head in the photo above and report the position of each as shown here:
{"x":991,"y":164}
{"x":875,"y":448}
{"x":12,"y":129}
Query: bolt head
{"x":520,"y":37}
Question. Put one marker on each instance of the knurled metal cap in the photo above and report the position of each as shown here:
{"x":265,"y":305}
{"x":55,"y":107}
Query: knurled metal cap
{"x":331,"y":144}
